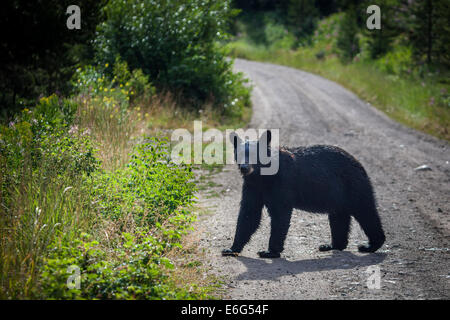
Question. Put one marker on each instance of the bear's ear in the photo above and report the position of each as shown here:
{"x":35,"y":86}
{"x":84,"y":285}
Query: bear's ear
{"x":266,"y":136}
{"x":235,"y":140}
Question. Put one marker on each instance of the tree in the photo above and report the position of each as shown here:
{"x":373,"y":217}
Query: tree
{"x":380,"y":40}
{"x":429,"y":22}
{"x":347,"y":41}
{"x":301,"y":17}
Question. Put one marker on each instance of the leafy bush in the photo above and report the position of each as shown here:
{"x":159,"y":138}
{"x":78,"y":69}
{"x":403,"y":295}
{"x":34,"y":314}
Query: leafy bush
{"x":327,"y":32}
{"x":397,"y":62}
{"x":150,"y":187}
{"x":278,"y":36}
{"x":115,"y":82}
{"x":274,"y":32}
{"x":138,"y":272}
{"x":40,"y":139}
{"x":347,"y":40}
{"x":174,"y":42}
{"x":150,"y":192}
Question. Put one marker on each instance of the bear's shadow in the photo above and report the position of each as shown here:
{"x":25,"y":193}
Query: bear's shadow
{"x":271,"y":269}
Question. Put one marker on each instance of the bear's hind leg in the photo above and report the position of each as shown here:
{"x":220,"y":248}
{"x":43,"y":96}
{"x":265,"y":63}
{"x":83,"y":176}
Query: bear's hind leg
{"x":340,"y":227}
{"x":369,"y":221}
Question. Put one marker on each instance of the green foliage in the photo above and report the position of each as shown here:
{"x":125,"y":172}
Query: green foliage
{"x":379,"y":41}
{"x":174,"y":42}
{"x":302,"y":16}
{"x":278,"y":36}
{"x":137,"y":272}
{"x":115,"y":81}
{"x":42,"y":139}
{"x":274,"y":32}
{"x":398,"y":62}
{"x":326,"y":34}
{"x":150,"y":187}
{"x":347,"y":40}
{"x":44,"y":179}
{"x":429,"y":22}
{"x":53,"y":190}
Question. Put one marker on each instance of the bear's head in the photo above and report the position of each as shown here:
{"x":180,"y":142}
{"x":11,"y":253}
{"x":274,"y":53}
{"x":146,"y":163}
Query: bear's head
{"x":251,"y":156}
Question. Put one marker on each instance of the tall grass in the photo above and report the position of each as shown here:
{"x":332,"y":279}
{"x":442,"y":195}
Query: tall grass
{"x":44,"y":192}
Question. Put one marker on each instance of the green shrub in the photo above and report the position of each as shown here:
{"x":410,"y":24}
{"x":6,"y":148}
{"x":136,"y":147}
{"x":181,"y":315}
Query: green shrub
{"x":173,"y":42}
{"x":150,"y":187}
{"x":327,"y":32}
{"x":278,"y":36}
{"x":45,"y":140}
{"x":137,"y":272}
{"x":397,"y":62}
{"x":150,"y":192}
{"x":114,"y":85}
{"x":274,"y":32}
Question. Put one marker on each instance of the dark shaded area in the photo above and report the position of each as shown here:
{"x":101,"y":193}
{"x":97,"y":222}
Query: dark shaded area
{"x":260,"y":269}
{"x":38,"y":53}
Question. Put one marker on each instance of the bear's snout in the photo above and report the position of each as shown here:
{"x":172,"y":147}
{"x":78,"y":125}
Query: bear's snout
{"x":246,"y":169}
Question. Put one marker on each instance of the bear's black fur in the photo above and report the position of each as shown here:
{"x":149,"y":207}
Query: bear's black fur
{"x":322,"y":179}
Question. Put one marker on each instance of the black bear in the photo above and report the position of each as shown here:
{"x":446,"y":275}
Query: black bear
{"x":321,"y":178}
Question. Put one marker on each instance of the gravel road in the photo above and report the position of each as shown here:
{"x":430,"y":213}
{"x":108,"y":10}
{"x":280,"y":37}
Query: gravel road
{"x":414,"y":204}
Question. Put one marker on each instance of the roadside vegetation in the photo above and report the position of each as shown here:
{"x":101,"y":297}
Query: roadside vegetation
{"x":87,"y":186}
{"x":402,"y":69}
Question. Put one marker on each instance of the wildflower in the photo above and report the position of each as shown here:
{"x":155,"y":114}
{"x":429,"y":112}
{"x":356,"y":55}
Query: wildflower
{"x":106,"y":65}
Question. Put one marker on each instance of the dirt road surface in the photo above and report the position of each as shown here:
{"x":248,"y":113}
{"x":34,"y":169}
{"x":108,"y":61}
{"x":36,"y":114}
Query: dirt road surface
{"x":414,"y":204}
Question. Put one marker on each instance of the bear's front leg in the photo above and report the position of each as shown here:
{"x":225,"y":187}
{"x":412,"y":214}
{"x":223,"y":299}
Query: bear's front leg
{"x":248,"y":221}
{"x":280,"y":220}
